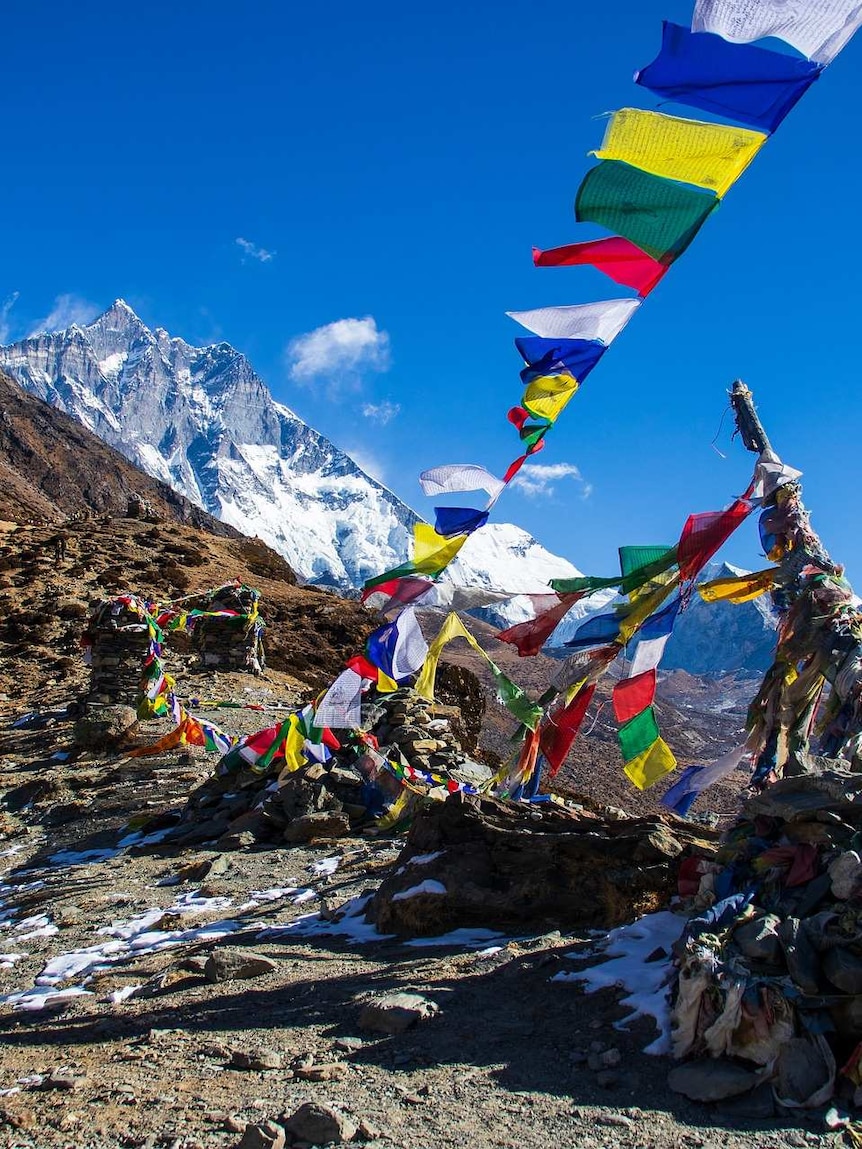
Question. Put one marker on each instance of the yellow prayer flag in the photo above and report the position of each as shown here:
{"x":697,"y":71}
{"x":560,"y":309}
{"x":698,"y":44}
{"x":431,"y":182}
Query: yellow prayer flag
{"x":293,"y":756}
{"x":547,"y":396}
{"x":385,"y":684}
{"x":650,"y":765}
{"x":432,"y":552}
{"x":711,"y":156}
{"x":452,"y":627}
{"x":742,"y":588}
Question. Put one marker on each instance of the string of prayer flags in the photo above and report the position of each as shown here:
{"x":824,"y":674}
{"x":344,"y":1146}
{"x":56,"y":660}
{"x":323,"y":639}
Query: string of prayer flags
{"x":588,"y":321}
{"x":680,"y":797}
{"x":513,"y":698}
{"x":638,"y":566}
{"x":752,"y":85}
{"x":561,"y":726}
{"x":660,"y":216}
{"x":738,"y":588}
{"x":712,"y":156}
{"x":402,"y":591}
{"x":456,"y":477}
{"x":704,"y":533}
{"x":397,"y":648}
{"x":819,"y":29}
{"x":619,"y":259}
{"x":451,"y":521}
{"x":529,"y":637}
{"x":596,"y":631}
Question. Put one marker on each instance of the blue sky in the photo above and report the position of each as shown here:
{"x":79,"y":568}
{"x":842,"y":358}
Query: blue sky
{"x":393,"y":164}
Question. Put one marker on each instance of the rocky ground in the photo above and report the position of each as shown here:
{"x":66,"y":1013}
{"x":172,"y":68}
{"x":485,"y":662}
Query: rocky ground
{"x":163,"y":997}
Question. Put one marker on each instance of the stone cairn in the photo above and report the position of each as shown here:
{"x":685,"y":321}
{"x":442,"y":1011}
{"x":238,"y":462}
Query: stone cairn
{"x":230,"y":643}
{"x":117,"y":641}
{"x":337,"y":798}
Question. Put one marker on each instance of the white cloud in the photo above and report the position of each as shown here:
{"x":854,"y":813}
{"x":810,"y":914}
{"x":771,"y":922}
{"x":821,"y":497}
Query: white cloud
{"x":536,"y":479}
{"x":5,"y":307}
{"x":252,"y":251}
{"x":339,"y":352}
{"x":381,"y":413}
{"x":68,"y":309}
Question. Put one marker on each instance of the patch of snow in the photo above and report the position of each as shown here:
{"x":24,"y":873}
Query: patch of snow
{"x":351,"y":925}
{"x":425,"y":859}
{"x":469,"y":938}
{"x":628,"y":947}
{"x":326,"y":866}
{"x":429,"y":886}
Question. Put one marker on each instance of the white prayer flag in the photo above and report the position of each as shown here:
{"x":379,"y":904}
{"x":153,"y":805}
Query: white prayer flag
{"x":603,"y":321}
{"x":447,"y":596}
{"x":341,"y":706}
{"x":460,"y":477}
{"x":648,"y":654}
{"x":818,"y":29}
{"x":770,"y":474}
{"x":411,"y":649}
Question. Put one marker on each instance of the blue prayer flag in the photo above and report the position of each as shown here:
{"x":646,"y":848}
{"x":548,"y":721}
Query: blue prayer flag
{"x":748,"y":84}
{"x":451,"y":521}
{"x":553,"y":356}
{"x":596,"y":631}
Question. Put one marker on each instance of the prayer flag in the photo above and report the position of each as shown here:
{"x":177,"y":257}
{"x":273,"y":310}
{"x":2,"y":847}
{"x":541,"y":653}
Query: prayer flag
{"x":651,"y":765}
{"x":341,"y":706}
{"x":590,"y":321}
{"x":548,"y":395}
{"x":452,"y":597}
{"x":659,"y":215}
{"x":449,"y":521}
{"x":818,"y":29}
{"x":752,"y":85}
{"x":696,"y":779}
{"x":632,"y":695}
{"x":618,"y":258}
{"x":398,"y":648}
{"x":395,"y":592}
{"x":652,"y":638}
{"x":770,"y":474}
{"x":554,"y":356}
{"x":596,"y":631}
{"x":638,"y":734}
{"x":431,"y":551}
{"x":530,"y":636}
{"x":456,"y":477}
{"x":705,"y":533}
{"x":712,"y":156}
{"x":561,"y":727}
{"x":738,"y":589}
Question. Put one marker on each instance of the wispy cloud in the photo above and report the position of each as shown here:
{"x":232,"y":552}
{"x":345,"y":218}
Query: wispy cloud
{"x":252,"y":251}
{"x":368,"y":462}
{"x":5,"y":307}
{"x":339,"y":353}
{"x":68,"y":309}
{"x":381,"y":413}
{"x":535,"y":479}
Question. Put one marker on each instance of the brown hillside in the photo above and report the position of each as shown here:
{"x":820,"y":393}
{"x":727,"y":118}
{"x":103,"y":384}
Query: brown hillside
{"x":51,"y":466}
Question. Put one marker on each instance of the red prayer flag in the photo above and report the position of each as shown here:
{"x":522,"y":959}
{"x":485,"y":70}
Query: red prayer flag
{"x":518,"y":416}
{"x":559,"y":730}
{"x":620,"y":259}
{"x":632,"y":695}
{"x":530,"y":636}
{"x":514,"y":468}
{"x":361,"y":666}
{"x":704,"y":534}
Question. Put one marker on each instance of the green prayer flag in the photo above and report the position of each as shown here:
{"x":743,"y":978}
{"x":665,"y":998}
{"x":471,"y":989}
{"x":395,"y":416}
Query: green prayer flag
{"x":515,"y":700}
{"x":659,"y":559}
{"x":638,"y":734}
{"x":659,"y":215}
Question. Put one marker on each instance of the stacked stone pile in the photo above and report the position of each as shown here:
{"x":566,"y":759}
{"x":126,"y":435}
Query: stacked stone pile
{"x":338,"y":797}
{"x":769,"y":980}
{"x":118,"y":642}
{"x":230,"y":643}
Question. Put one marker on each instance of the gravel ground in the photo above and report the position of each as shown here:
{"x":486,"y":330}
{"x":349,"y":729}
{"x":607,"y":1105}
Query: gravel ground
{"x":504,"y":1061}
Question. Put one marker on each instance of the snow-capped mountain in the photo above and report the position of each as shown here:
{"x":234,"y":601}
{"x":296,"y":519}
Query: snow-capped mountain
{"x":202,"y":420}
